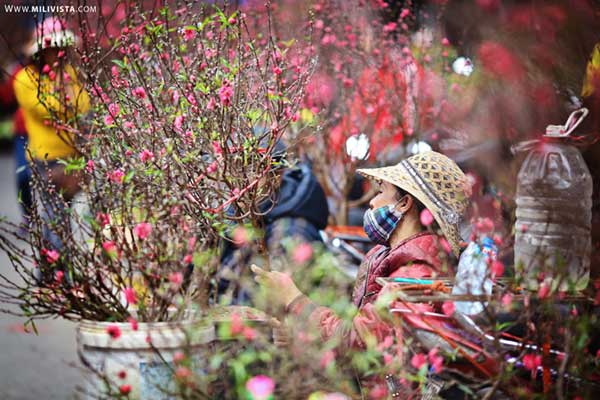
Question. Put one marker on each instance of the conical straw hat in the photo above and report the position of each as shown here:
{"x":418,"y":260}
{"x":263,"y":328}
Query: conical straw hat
{"x":437,"y":182}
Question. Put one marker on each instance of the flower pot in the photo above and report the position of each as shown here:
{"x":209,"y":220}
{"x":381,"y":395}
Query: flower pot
{"x":140,"y":360}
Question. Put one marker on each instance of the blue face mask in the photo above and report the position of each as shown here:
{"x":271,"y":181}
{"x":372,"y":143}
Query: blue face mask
{"x":380,"y":223}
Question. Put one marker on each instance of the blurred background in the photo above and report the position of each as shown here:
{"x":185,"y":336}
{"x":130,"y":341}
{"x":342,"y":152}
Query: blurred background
{"x":497,"y":72}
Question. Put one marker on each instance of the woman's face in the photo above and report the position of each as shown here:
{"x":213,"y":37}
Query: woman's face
{"x":386,"y":195}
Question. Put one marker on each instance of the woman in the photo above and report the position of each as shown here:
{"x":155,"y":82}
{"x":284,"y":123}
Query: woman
{"x":49,"y":95}
{"x":405,"y":248}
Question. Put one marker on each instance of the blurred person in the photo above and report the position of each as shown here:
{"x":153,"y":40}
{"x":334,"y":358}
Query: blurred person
{"x":405,"y":249}
{"x":296,"y":211}
{"x":8,"y":103}
{"x":47,"y":90}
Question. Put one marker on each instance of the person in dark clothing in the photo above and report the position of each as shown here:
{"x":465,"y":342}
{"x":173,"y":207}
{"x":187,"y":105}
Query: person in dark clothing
{"x":300,"y":209}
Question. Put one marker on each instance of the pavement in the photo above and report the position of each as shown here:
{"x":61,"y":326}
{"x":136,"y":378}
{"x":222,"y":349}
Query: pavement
{"x":40,"y":367}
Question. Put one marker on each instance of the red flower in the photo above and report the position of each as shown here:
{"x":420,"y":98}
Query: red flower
{"x":110,"y":248}
{"x":436,"y":360}
{"x":89,"y":167}
{"x":116,"y":176}
{"x":497,"y":268}
{"x":544,"y":290}
{"x":418,"y":360}
{"x":146,"y":155}
{"x":226,"y":93}
{"x":142,"y":230}
{"x":448,"y":308}
{"x":189,"y":34}
{"x":114,"y":331}
{"x":133,"y":323}
{"x":130,"y":295}
{"x":125,"y":389}
{"x":122,"y":374}
{"x":532,"y":361}
{"x":237,"y":326}
{"x":52,"y":256}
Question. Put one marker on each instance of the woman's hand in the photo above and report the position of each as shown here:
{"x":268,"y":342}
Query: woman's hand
{"x":280,"y":288}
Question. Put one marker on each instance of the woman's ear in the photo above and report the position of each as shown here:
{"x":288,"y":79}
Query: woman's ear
{"x":405,"y":203}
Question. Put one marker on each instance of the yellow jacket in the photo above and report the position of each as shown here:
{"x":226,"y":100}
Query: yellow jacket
{"x":39,"y":100}
{"x":592,"y":73}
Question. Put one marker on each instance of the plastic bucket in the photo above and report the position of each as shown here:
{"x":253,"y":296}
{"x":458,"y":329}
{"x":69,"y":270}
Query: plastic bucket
{"x":142,"y":358}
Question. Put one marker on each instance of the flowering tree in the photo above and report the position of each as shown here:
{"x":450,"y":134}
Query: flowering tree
{"x":187,"y":109}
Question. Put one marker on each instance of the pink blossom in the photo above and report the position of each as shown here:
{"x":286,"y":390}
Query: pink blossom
{"x":390,"y":27}
{"x":237,"y":325}
{"x":113,"y":109}
{"x":532,"y":361}
{"x":418,"y":360}
{"x":445,"y":42}
{"x":497,"y":268}
{"x":178,"y":357}
{"x":125,"y":389}
{"x":217,"y":148}
{"x":426,"y":217}
{"x":115,"y":72}
{"x":139,"y":92}
{"x":110,"y":248}
{"x":507,"y":300}
{"x":146,"y":155}
{"x":133,"y":322}
{"x":176,"y":278}
{"x":122,"y":374}
{"x":448,"y":308}
{"x":188,"y":259}
{"x":52,"y":256}
{"x":142,"y":230}
{"x":102,"y":219}
{"x":404,"y":13}
{"x":302,"y":253}
{"x":445,"y":245}
{"x":183,"y":373}
{"x":89,"y":167}
{"x":226,"y":93}
{"x":260,"y":387}
{"x":108,"y":119}
{"x":46,"y":69}
{"x":178,"y":122}
{"x":436,"y":360}
{"x":544,"y":290}
{"x":189,"y":34}
{"x":249,"y":334}
{"x":211,"y":104}
{"x":58,"y":277}
{"x":114,"y":331}
{"x":130,"y":295}
{"x":116,"y":176}
{"x":192,"y":100}
{"x":212,"y":167}
{"x":240,"y":236}
{"x":327,"y":358}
